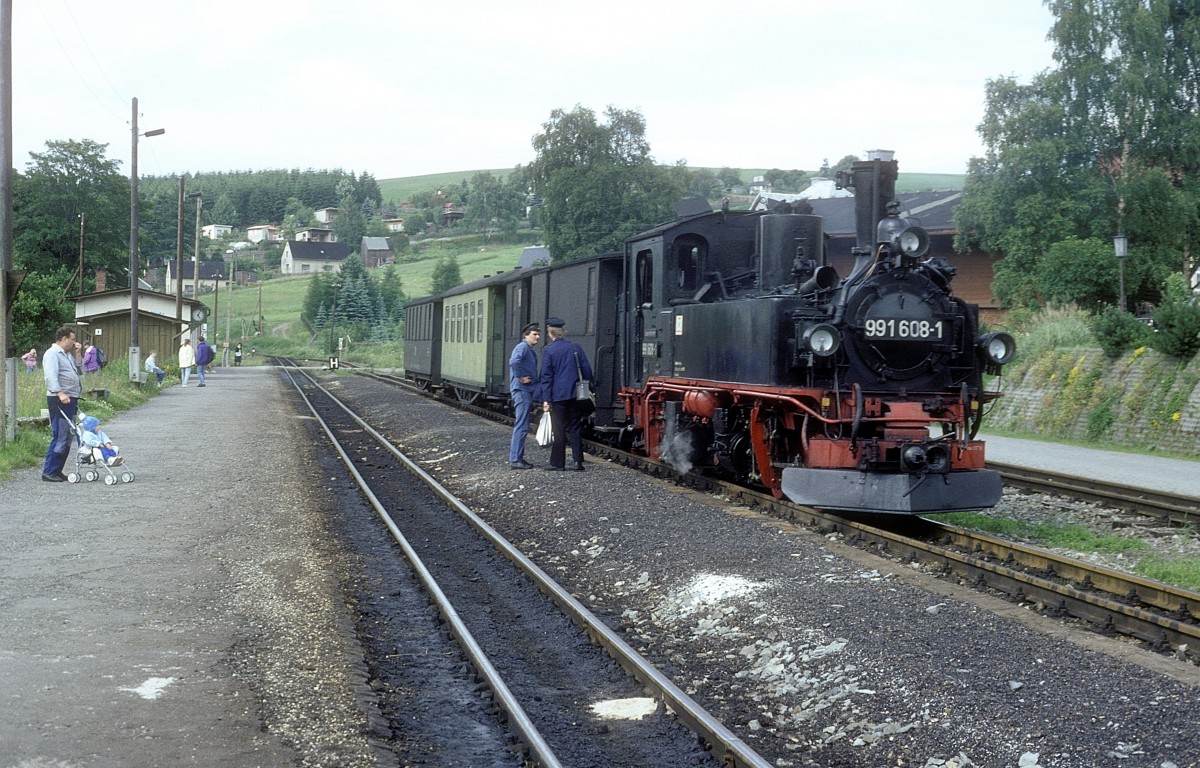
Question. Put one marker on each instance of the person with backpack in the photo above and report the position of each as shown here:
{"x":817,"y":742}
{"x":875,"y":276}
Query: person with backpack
{"x":91,"y":358}
{"x":204,"y":356}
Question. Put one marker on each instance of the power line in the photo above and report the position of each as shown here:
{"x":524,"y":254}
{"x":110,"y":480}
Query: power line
{"x":69,"y":60}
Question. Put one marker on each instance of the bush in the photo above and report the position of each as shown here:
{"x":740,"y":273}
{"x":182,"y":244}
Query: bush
{"x":1054,"y":329}
{"x":1177,"y":329}
{"x":1117,"y":331}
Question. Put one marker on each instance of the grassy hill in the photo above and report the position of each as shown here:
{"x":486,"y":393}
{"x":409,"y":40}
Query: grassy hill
{"x":281,"y":299}
{"x":403,"y":188}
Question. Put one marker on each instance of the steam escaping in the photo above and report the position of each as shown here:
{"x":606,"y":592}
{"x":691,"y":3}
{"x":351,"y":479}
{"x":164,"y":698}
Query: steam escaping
{"x":678,"y":452}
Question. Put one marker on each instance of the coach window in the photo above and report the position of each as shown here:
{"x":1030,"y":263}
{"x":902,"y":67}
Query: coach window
{"x":644,"y":275}
{"x":479,"y":322}
{"x":689,"y":263}
{"x":589,"y":322}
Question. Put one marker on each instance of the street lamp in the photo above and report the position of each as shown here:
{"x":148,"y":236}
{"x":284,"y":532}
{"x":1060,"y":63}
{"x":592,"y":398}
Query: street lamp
{"x":1121,"y":249}
{"x":333,"y":329}
{"x":216,"y":326}
{"x":135,"y":352}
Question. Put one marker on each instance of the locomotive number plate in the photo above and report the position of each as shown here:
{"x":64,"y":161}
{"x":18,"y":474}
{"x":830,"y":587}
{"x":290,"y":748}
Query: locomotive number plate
{"x":885,"y":329}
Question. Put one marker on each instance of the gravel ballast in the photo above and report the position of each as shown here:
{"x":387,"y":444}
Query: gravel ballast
{"x":814,"y":653}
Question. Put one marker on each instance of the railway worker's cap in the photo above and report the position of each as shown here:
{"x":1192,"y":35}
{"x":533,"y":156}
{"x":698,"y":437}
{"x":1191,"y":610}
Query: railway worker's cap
{"x":531,"y":327}
{"x":555,"y":322}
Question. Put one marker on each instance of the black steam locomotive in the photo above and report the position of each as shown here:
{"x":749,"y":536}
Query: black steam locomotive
{"x":724,"y":342}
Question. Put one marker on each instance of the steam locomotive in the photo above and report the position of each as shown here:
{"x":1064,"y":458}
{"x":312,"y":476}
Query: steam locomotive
{"x":725,"y":342}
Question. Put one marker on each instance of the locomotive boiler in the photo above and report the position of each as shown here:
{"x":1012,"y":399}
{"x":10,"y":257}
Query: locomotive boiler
{"x":745,"y":353}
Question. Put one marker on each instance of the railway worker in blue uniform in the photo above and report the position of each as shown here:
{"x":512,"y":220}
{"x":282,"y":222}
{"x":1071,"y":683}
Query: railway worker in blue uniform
{"x":563,"y":364}
{"x":522,"y":386}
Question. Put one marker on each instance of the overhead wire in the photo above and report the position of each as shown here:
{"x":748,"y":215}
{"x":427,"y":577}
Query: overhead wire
{"x":71,"y":61}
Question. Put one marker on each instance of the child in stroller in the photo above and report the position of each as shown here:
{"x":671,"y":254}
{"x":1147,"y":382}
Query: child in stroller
{"x":96,"y":450}
{"x":102,"y":448}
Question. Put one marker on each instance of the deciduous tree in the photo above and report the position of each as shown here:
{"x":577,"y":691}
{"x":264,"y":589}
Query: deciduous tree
{"x":598,"y":183}
{"x":1107,"y":141}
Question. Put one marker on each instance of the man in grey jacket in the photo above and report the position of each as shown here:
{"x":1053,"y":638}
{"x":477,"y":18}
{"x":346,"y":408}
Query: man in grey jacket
{"x":63,"y":369}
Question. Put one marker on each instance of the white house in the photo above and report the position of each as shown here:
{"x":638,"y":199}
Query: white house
{"x":302,"y":258}
{"x":213,"y":231}
{"x":261,"y":232}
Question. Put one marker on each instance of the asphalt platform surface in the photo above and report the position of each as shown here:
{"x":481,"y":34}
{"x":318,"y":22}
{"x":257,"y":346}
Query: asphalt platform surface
{"x":1138,"y":470}
{"x":190,"y":617}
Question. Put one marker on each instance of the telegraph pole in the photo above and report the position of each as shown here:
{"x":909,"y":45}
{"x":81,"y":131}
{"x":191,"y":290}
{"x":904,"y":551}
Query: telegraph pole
{"x":9,"y":280}
{"x":179,"y":260}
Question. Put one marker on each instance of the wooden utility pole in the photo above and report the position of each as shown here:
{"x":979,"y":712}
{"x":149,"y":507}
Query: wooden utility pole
{"x":8,"y":280}
{"x":179,"y":260}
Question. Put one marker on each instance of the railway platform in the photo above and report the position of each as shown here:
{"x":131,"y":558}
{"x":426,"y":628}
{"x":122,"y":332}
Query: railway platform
{"x":190,"y":617}
{"x":1139,"y":470}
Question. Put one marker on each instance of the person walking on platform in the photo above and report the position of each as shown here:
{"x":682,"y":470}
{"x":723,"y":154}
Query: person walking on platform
{"x":522,"y":378}
{"x":563,"y":364}
{"x":62,"y":368}
{"x":204,"y":356}
{"x":187,"y":358}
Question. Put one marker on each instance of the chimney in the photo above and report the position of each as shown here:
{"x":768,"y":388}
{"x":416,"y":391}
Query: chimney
{"x":101,"y":280}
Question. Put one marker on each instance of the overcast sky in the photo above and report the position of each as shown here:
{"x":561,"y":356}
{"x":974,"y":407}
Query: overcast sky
{"x":404,"y":89}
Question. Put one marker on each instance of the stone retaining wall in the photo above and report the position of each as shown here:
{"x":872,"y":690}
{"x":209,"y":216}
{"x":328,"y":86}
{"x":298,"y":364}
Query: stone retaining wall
{"x":1140,"y":400}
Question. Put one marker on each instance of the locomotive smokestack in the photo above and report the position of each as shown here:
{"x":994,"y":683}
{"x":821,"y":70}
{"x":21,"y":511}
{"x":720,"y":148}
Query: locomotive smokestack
{"x":874,"y":182}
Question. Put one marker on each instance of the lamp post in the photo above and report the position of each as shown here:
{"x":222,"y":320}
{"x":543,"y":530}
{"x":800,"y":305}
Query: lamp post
{"x":333,"y":364}
{"x":1121,"y":249}
{"x":216,"y":316}
{"x":229,"y":309}
{"x":135,"y":352}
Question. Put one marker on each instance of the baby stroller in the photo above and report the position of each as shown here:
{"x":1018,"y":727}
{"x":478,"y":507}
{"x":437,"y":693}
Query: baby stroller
{"x":88,"y":467}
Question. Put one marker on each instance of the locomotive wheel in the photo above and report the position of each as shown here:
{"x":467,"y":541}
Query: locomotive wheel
{"x":110,"y":479}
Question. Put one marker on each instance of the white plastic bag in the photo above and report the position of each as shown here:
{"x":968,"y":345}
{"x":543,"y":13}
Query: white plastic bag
{"x":545,"y":430}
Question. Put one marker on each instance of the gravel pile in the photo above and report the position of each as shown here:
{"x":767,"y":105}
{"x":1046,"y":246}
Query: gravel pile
{"x":814,"y":653}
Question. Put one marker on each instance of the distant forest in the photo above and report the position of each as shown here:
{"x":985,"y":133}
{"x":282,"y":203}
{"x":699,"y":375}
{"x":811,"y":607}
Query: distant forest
{"x":248,"y":198}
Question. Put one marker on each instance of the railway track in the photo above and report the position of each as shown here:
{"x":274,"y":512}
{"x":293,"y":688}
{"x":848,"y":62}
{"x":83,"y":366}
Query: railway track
{"x":1168,"y":508}
{"x":1164,"y":617}
{"x":378,"y":458}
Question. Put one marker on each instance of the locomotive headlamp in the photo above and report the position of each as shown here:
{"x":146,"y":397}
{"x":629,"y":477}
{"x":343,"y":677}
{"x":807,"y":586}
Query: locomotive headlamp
{"x":999,"y":348}
{"x":938,"y":459}
{"x":822,"y":339}
{"x":913,"y":241}
{"x":914,"y":458}
{"x":902,"y":235}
